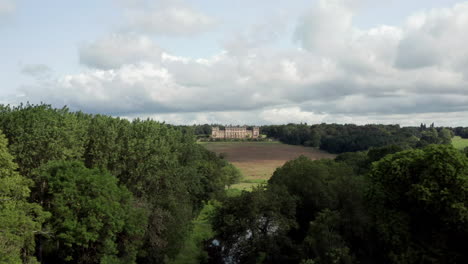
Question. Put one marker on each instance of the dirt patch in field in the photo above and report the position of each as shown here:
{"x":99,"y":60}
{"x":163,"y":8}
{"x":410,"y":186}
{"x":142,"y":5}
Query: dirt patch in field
{"x":258,"y":160}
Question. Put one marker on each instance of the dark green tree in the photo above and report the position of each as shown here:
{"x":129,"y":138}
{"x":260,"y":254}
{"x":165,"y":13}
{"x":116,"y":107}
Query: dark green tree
{"x":231,"y":174}
{"x":419,"y":201}
{"x":253,"y":226}
{"x":94,"y":220}
{"x":20,"y":220}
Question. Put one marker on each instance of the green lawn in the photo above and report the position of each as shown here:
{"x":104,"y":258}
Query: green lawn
{"x":460,"y":143}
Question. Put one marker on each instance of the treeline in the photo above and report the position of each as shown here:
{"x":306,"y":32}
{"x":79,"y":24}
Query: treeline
{"x":81,"y":188}
{"x":336,"y":138}
{"x":387,"y":205}
{"x":461,"y":132}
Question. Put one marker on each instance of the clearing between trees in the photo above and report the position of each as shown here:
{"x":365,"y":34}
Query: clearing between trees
{"x":258,"y":160}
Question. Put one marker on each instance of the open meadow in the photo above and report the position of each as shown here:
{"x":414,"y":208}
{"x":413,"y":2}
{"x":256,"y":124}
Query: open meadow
{"x":258,"y":160}
{"x":460,"y":143}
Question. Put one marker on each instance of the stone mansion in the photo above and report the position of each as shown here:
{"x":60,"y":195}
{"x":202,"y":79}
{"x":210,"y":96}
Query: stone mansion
{"x":235,"y":132}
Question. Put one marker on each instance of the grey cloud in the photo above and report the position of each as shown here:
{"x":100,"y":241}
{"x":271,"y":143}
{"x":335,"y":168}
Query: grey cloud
{"x":358,"y":104}
{"x":416,"y":52}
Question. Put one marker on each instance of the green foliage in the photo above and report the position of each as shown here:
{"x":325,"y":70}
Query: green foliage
{"x":419,"y":200}
{"x":20,"y":220}
{"x":295,"y":216}
{"x":231,"y":174}
{"x":445,"y":136}
{"x":38,"y":134}
{"x":376,"y":154}
{"x":357,"y":160}
{"x":255,"y":224}
{"x":336,"y":138}
{"x":193,"y":251}
{"x":461,"y":132}
{"x":167,"y":173}
{"x":120,"y":191}
{"x":325,"y":242}
{"x":92,"y":217}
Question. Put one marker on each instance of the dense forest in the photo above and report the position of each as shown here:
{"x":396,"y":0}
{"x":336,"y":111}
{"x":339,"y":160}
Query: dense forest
{"x":82,"y":188}
{"x":386,"y":205}
{"x":336,"y":138}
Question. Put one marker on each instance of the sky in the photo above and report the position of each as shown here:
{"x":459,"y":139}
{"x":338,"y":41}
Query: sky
{"x":240,"y":62}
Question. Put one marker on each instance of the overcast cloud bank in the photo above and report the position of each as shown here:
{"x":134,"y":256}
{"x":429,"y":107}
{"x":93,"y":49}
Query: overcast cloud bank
{"x":337,"y":73}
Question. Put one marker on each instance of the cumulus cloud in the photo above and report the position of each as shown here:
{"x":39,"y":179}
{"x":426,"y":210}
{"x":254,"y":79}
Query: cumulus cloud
{"x":170,"y":18}
{"x":340,"y":73}
{"x":116,"y":50}
{"x":435,"y":38}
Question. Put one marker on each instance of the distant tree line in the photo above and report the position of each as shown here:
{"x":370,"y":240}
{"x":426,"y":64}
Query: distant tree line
{"x":461,"y":132}
{"x":81,"y":188}
{"x":390,"y":204}
{"x":336,"y":138}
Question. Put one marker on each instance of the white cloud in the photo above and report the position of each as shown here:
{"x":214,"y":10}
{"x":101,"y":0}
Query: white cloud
{"x":341,"y":73}
{"x":170,"y":18}
{"x":327,"y":27}
{"x":436,"y":38}
{"x":284,"y":115}
{"x":116,"y":50}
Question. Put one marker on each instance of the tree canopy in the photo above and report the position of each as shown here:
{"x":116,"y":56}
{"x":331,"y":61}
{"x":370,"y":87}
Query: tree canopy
{"x":20,"y":220}
{"x":385,"y":206}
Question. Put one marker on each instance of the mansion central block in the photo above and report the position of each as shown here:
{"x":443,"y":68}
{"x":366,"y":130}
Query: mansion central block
{"x":235,"y":132}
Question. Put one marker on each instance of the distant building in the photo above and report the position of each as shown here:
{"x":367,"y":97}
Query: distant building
{"x":235,"y":132}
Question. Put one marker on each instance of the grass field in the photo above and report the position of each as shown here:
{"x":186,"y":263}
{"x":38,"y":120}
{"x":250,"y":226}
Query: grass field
{"x":460,"y":143}
{"x":258,"y":160}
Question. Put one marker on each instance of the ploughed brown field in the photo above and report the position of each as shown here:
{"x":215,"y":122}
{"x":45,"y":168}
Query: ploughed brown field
{"x":258,"y":160}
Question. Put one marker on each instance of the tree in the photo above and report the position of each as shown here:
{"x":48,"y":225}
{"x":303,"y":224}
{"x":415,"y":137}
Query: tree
{"x":167,"y":173}
{"x":40,"y":133}
{"x":231,"y":174}
{"x":430,"y":136}
{"x":445,"y":136}
{"x":20,"y":220}
{"x":308,"y":210}
{"x":253,"y":226}
{"x":94,"y":220}
{"x":322,"y":185}
{"x":419,"y":201}
{"x":324,"y":240}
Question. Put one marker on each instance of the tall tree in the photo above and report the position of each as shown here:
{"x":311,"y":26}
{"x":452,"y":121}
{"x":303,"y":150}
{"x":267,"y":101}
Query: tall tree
{"x":94,"y":220}
{"x":20,"y":220}
{"x":419,"y":201}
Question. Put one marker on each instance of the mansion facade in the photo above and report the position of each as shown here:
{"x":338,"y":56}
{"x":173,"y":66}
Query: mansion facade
{"x":235,"y":132}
